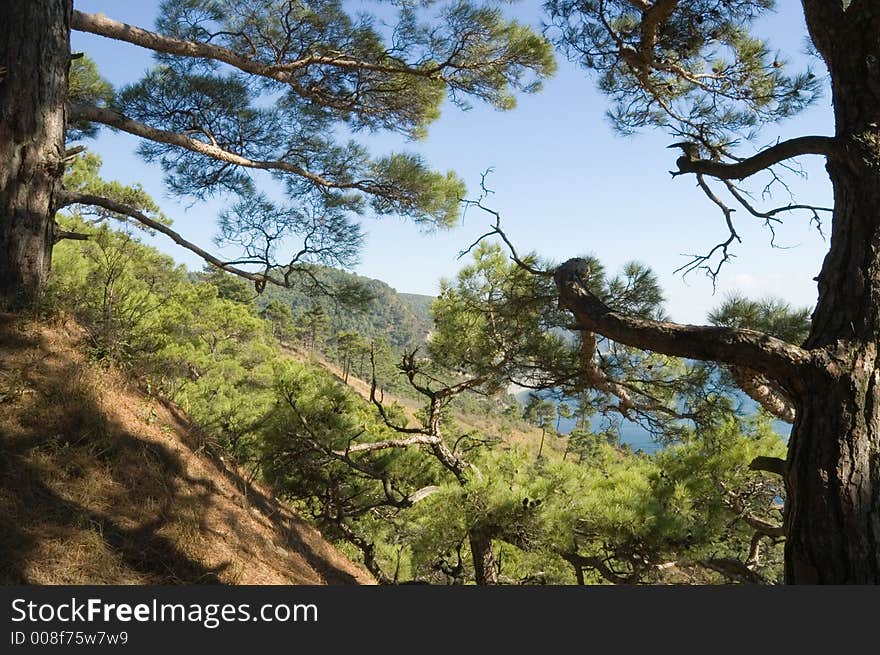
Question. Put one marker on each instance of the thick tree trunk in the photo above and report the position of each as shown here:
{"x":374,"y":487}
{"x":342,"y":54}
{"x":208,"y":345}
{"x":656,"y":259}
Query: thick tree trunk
{"x":833,"y":510}
{"x":833,"y":506}
{"x":485,"y":572}
{"x":35,"y":53}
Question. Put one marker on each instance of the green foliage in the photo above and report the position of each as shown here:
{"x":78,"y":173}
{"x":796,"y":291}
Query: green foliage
{"x":83,"y":176}
{"x":308,"y":76}
{"x":595,"y":512}
{"x":498,"y":321}
{"x":280,"y":318}
{"x":539,"y":410}
{"x":113,"y":284}
{"x":629,"y":512}
{"x":426,"y":196}
{"x":86,"y":86}
{"x":196,"y":341}
{"x":229,"y":287}
{"x":371,"y":309}
{"x":635,"y":291}
{"x":313,"y":326}
{"x":772,"y":316}
{"x":696,"y":69}
{"x":352,"y":351}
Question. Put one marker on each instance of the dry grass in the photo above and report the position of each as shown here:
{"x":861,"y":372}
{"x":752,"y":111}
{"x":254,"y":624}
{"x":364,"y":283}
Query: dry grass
{"x":102,"y":485}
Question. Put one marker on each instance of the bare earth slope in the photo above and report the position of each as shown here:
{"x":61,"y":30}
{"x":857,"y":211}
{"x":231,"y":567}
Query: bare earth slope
{"x":100,"y":484}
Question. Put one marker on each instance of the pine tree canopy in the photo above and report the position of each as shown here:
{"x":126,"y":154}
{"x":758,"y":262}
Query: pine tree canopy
{"x":265,"y":99}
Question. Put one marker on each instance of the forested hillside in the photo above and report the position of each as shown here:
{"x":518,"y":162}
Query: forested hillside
{"x":377,"y":311}
{"x":171,"y":423}
{"x":416,"y":461}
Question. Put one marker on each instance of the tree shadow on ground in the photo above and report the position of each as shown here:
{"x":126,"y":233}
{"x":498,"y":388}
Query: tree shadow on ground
{"x":253,"y":496}
{"x":78,"y":491}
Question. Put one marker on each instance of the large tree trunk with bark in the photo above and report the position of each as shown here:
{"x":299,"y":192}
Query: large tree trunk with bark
{"x":833,"y":508}
{"x":35,"y":56}
{"x":833,"y":513}
{"x":485,"y":572}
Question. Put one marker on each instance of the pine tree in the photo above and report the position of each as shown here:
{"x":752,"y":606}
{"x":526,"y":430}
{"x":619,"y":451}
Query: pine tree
{"x":314,"y":326}
{"x":280,"y":318}
{"x":698,"y":71}
{"x":243,"y":93}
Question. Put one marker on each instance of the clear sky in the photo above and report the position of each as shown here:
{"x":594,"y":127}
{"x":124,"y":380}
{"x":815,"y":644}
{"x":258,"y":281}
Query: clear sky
{"x":564,"y":183}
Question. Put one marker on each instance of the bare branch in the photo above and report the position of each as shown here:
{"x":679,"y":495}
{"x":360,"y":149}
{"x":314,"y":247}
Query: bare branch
{"x":805,"y":145}
{"x":772,"y":214}
{"x":497,"y":231}
{"x":66,"y":198}
{"x":703,"y":261}
{"x":770,"y":396}
{"x":418,"y":440}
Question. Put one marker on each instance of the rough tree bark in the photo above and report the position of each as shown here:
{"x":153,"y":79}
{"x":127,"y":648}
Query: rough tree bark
{"x":833,"y":513}
{"x":485,"y":570}
{"x":832,"y":473}
{"x":35,"y":56}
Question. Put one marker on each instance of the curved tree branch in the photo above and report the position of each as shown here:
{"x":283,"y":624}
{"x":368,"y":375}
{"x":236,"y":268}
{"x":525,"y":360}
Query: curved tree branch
{"x":417,"y":440}
{"x":367,"y":548}
{"x":600,"y":566}
{"x":769,"y":396}
{"x":805,"y":145}
{"x":281,"y":72}
{"x":66,"y":198}
{"x":121,"y":122}
{"x":768,"y":464}
{"x":757,"y":523}
{"x":777,"y":359}
{"x":596,"y":378}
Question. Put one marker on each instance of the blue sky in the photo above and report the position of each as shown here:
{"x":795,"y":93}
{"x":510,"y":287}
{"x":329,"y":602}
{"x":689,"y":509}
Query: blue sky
{"x":563,"y":182}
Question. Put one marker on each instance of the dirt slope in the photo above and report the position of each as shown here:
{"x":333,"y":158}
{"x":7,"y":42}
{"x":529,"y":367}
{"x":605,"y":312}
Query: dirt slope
{"x":100,"y":484}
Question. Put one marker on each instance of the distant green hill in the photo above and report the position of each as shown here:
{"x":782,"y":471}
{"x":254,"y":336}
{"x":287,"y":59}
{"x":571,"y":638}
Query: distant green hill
{"x":403,"y":319}
{"x":421,"y":305}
